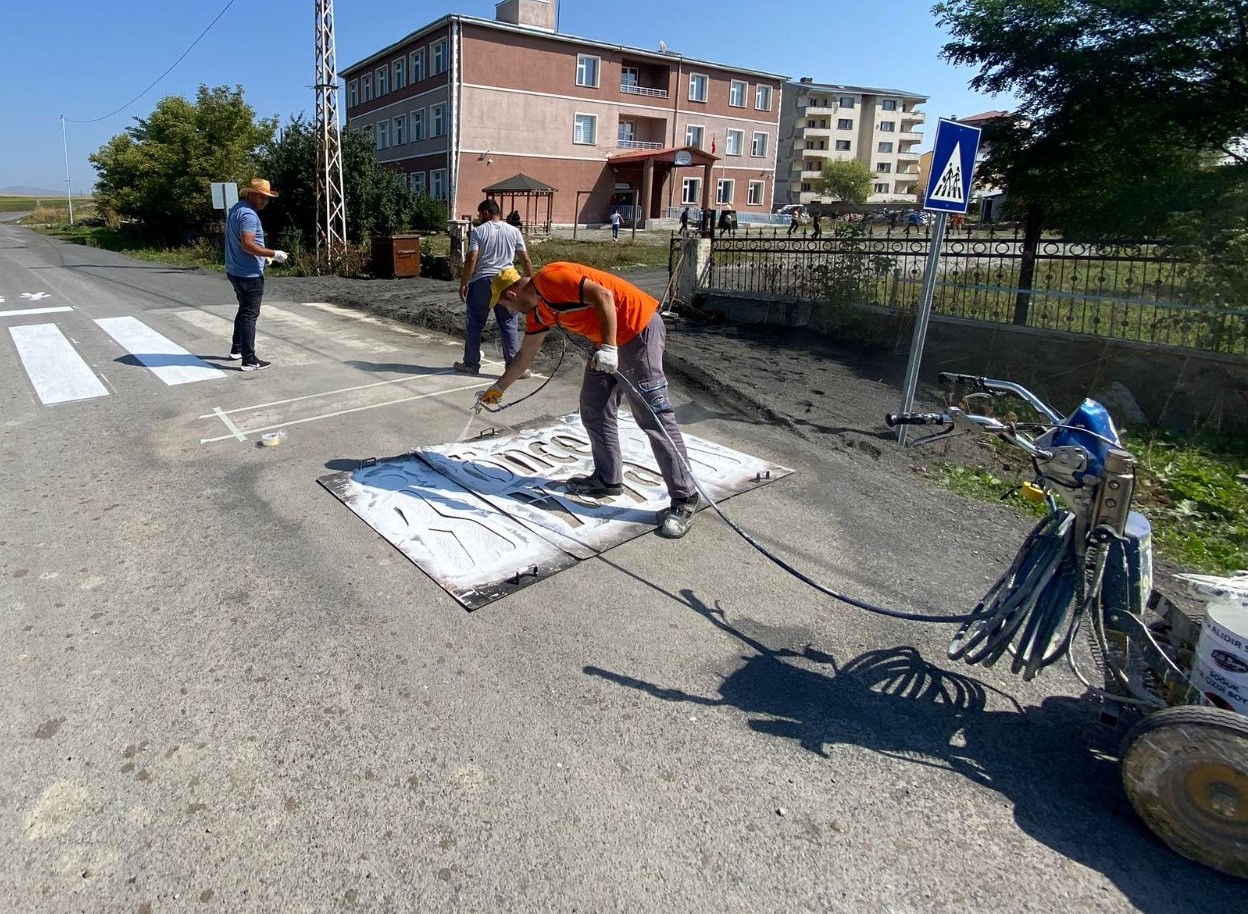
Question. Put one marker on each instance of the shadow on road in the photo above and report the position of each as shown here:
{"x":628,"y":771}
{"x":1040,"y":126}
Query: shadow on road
{"x":1053,"y":762}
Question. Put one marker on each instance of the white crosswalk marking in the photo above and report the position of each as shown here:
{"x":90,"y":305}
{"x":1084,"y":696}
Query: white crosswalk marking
{"x":54,"y":367}
{"x":267,"y":347}
{"x":166,"y":359}
{"x":26,"y":312}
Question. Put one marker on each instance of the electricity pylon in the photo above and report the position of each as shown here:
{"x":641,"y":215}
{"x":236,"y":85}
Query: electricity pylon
{"x":331,"y":213}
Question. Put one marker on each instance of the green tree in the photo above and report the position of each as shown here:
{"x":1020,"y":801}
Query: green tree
{"x":159,"y":171}
{"x":1121,"y":102}
{"x":845,"y":180}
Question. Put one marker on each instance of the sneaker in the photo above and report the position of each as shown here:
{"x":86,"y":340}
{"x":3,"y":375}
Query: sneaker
{"x":466,"y":369}
{"x":593,"y":487}
{"x":678,"y":518}
{"x":257,"y":365}
{"x":235,"y":355}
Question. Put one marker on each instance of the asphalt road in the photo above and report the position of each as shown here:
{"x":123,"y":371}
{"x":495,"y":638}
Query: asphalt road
{"x":221,"y":690}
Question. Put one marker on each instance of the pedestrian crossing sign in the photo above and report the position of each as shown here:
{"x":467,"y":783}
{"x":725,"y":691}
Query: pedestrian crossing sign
{"x":953,"y":166}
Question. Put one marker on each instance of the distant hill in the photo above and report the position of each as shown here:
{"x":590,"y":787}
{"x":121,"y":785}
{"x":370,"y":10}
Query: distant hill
{"x":22,"y":191}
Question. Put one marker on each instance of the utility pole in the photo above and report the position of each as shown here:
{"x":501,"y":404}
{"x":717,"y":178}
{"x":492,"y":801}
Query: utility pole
{"x":331,"y":213}
{"x":69,"y":189}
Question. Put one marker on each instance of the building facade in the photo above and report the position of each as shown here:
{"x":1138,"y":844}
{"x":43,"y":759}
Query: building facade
{"x":463,"y":103}
{"x":877,"y":127}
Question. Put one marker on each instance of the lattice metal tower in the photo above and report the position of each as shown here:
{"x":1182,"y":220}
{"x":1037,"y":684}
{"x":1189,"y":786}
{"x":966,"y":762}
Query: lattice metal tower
{"x":331,"y":213}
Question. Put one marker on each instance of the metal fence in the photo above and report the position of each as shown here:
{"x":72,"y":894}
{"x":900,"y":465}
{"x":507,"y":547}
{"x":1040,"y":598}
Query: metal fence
{"x":1132,"y":290}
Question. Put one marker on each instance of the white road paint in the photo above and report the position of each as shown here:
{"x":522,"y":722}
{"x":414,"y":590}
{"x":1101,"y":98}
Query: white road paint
{"x":343,"y":412}
{"x":59,"y":374}
{"x":330,"y":393}
{"x":282,"y":353}
{"x":166,"y":359}
{"x":36,"y":296}
{"x":229,"y":423}
{"x":28,"y":311}
{"x":340,"y":340}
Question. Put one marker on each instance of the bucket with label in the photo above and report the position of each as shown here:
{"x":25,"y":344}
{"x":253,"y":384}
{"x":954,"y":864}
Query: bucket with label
{"x":1220,"y":668}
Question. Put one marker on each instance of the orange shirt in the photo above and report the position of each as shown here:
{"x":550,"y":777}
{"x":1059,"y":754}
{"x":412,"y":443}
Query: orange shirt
{"x":560,"y":290}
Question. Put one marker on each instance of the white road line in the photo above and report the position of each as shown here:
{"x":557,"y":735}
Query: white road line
{"x":26,"y":311}
{"x":58,"y":373}
{"x":330,"y":393}
{"x":343,"y":412}
{"x":222,"y":328}
{"x":166,"y":359}
{"x":229,"y":423}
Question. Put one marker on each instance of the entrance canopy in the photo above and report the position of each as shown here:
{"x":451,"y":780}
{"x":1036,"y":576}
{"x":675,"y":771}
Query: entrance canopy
{"x":530,"y":191}
{"x":657,"y":164}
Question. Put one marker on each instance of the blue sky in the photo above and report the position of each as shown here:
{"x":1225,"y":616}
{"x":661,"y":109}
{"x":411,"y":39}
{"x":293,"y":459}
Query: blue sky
{"x":86,"y":58}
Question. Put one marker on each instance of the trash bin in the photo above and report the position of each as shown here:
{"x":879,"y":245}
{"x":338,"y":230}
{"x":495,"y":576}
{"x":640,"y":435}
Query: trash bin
{"x":396,"y":256}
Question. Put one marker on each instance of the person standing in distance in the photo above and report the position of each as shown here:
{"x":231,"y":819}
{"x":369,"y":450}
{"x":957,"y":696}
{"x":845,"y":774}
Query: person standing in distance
{"x":245,"y":260}
{"x":615,"y":225}
{"x":624,"y":326}
{"x":492,"y":247}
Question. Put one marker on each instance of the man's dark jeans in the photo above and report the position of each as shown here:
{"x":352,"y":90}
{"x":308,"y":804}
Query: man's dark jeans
{"x":248,"y":290}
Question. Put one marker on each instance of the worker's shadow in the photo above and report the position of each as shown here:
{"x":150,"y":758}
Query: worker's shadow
{"x":1054,"y":762}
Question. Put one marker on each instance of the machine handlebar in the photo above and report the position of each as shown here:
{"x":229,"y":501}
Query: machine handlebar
{"x":895,"y":419}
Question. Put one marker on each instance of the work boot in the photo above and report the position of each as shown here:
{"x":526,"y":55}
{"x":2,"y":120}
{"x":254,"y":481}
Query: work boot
{"x":679,"y":517}
{"x":466,"y":369}
{"x":593,"y":487}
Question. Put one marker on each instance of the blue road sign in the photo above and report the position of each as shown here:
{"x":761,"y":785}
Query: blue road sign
{"x":953,"y":165}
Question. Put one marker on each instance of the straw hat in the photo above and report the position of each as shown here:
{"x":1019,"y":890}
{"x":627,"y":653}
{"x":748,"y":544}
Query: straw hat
{"x":259,"y":187}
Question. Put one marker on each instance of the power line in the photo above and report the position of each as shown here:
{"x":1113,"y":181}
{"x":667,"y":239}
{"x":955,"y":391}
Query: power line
{"x":162,"y":75}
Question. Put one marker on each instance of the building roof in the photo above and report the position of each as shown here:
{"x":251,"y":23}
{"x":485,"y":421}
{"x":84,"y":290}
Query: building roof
{"x":983,"y":117}
{"x":857,"y":90}
{"x":519,"y":183}
{"x":696,"y":156}
{"x":554,"y":36}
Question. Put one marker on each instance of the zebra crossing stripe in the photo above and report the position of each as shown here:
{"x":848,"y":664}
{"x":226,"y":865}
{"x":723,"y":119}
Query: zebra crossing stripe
{"x":26,"y":312}
{"x":166,"y":359}
{"x":58,"y":373}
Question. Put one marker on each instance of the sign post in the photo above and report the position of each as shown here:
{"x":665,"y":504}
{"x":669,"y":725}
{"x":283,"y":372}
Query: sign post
{"x":948,"y":191}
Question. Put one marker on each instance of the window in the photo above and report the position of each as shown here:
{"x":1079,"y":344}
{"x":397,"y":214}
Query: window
{"x":416,"y":180}
{"x":759,"y":148}
{"x":845,"y":101}
{"x":437,"y":184}
{"x":400,"y":73}
{"x":889,"y":104}
{"x":587,"y":71}
{"x":697,"y":87}
{"x":628,"y":77}
{"x":366,"y":83}
{"x":885,"y":147}
{"x":691,"y":191}
{"x":693,"y":136}
{"x":440,"y":63}
{"x":806,"y":186}
{"x":845,"y":123}
{"x":353,"y":93}
{"x":585,"y":129}
{"x":437,"y":120}
{"x":417,"y":60}
{"x":736,"y":93}
{"x":382,"y":88}
{"x":884,"y":167}
{"x":400,"y":130}
{"x":887,"y":126}
{"x":724,"y":190}
{"x":881,"y":188}
{"x":734,"y":142}
{"x":418,"y":125}
{"x":754,"y":197}
{"x":383,"y":134}
{"x":627,"y":132}
{"x":842,"y":145}
{"x":762,"y":98}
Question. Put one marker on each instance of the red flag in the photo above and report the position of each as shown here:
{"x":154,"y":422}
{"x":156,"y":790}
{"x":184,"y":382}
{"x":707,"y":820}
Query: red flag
{"x":713,"y":143}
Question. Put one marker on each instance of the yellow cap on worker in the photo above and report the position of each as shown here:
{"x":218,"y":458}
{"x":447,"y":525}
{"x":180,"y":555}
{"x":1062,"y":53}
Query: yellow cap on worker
{"x":501,"y":283}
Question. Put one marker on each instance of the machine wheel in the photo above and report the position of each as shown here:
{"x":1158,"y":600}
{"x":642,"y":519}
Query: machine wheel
{"x":1185,"y":770}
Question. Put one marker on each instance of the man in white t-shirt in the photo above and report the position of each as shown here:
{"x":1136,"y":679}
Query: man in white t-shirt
{"x":492,"y":247}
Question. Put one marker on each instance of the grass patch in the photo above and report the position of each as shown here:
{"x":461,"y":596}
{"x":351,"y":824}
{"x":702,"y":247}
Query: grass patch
{"x":1189,"y":489}
{"x":30,"y":204}
{"x":601,"y":255}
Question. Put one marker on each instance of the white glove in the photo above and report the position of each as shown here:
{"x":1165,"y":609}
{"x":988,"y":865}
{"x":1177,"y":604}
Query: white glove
{"x":605,"y":359}
{"x":280,"y":256}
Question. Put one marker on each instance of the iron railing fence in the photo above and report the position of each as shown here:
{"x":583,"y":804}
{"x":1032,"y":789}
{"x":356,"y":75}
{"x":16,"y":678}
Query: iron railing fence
{"x":1124,"y":289}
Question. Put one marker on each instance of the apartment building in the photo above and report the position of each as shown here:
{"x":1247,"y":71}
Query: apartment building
{"x":877,"y":127}
{"x":464,"y":103}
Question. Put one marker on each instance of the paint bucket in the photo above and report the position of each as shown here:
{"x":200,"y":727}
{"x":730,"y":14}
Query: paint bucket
{"x":1220,"y":669}
{"x":272,"y":439}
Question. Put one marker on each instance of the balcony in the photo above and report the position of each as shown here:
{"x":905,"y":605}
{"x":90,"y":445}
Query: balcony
{"x":913,"y":117}
{"x":630,"y":89}
{"x":638,"y":144}
{"x":909,"y":136}
{"x":816,"y":111}
{"x":812,"y":175}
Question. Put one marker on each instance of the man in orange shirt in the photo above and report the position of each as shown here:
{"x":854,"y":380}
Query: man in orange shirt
{"x":623,"y":324}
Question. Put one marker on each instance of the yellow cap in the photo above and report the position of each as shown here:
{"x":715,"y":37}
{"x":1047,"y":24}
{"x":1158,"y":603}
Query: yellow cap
{"x":501,"y":283}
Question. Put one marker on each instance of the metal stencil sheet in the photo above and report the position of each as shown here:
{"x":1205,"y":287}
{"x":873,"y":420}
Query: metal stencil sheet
{"x":523,"y":475}
{"x":473,"y":551}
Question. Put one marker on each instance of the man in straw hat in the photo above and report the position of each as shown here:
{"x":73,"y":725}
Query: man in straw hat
{"x":624,"y":326}
{"x":245,"y":260}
